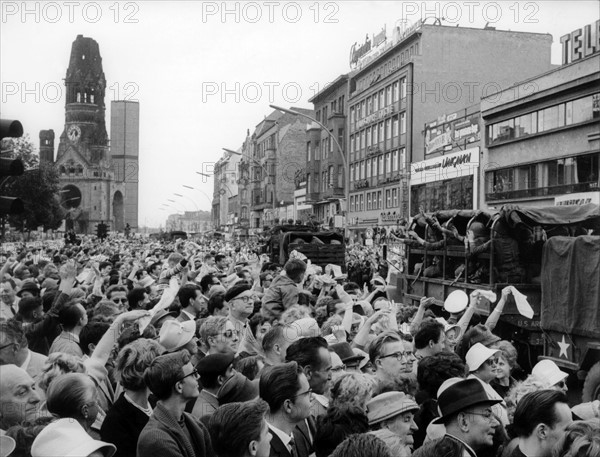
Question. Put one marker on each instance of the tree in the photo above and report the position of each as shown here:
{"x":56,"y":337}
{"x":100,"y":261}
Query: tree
{"x":38,"y":187}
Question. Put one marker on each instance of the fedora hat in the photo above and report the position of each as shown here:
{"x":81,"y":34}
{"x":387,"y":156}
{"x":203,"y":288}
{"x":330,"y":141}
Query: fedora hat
{"x":477,"y":355}
{"x":29,"y":285}
{"x":175,"y":334}
{"x":457,"y":394}
{"x":67,"y":438}
{"x":388,"y":405}
{"x":344,"y":350}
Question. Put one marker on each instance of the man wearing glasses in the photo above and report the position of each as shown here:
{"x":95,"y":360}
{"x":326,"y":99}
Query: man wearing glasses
{"x":287,"y":392}
{"x":391,"y":356}
{"x":241,"y":305}
{"x":467,"y":415}
{"x":118,"y":295}
{"x":171,"y":432}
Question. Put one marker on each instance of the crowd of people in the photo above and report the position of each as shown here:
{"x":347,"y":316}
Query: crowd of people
{"x":132,"y":347}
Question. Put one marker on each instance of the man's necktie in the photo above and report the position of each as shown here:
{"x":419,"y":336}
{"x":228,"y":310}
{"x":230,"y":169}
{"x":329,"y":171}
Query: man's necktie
{"x":293,"y":451}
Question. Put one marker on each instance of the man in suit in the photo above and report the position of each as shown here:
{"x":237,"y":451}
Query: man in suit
{"x":14,"y":349}
{"x":171,"y":432}
{"x":239,"y":429}
{"x":214,"y":370}
{"x":192,"y":302}
{"x":287,"y":392}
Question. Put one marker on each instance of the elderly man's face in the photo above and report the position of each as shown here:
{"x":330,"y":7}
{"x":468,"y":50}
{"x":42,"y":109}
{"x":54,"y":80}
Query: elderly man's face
{"x":7,"y":293}
{"x":19,"y":400}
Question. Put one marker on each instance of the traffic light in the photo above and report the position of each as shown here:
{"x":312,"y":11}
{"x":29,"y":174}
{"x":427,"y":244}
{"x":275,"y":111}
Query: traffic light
{"x":10,"y":167}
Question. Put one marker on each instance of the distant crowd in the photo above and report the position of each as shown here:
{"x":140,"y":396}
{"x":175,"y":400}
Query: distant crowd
{"x":136,"y":348}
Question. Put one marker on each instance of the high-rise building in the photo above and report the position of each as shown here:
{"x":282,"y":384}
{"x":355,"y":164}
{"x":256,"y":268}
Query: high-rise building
{"x":399,"y":83}
{"x":124,"y":152}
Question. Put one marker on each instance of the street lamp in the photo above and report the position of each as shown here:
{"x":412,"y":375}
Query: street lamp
{"x":332,"y":136}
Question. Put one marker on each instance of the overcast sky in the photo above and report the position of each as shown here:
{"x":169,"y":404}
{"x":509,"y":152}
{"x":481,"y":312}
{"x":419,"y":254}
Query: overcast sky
{"x":205,"y":72}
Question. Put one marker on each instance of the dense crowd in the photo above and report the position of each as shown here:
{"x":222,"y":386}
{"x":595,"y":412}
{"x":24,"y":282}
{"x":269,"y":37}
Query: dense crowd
{"x":130,"y":347}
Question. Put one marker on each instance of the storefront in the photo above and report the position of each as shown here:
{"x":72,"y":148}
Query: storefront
{"x":445,"y":182}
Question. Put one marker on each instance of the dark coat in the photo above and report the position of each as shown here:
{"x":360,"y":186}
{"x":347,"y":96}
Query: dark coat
{"x":163,"y":436}
{"x":122,"y":427}
{"x":278,"y":449}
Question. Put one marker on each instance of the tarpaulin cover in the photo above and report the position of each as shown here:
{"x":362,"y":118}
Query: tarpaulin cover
{"x":584,"y":215}
{"x":571,"y":285}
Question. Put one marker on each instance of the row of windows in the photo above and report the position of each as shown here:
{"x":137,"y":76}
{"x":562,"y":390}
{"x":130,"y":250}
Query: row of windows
{"x":374,"y":200}
{"x":327,"y":179}
{"x":375,"y":136}
{"x":336,"y":106}
{"x":389,"y":67}
{"x":324,"y":148}
{"x":572,"y":112}
{"x":559,"y":172}
{"x":386,"y":96}
{"x":390,"y":162}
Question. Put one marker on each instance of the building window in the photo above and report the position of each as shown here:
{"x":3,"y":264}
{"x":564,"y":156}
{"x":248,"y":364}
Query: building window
{"x":309,"y":183}
{"x":395,"y":198}
{"x":368,"y":133}
{"x":388,"y":164}
{"x":340,"y":176}
{"x":381,"y":98}
{"x":308,"y":158}
{"x":402,"y":159}
{"x":388,"y":129}
{"x":379,"y":199}
{"x":369,"y":201}
{"x":368,"y":169}
{"x":374,"y":134}
{"x":526,"y":125}
{"x":395,"y":125}
{"x":388,"y":198}
{"x":331,"y":176}
{"x":396,"y":91}
{"x":388,"y":95}
{"x":394,"y":161}
{"x":381,"y":169}
{"x":403,"y":88}
{"x":526,"y":177}
{"x":361,"y":203}
{"x":369,"y":105}
{"x":352,"y":203}
{"x":380,"y":134}
{"x":402,"y":123}
{"x":375,"y":103}
{"x":362,"y":140}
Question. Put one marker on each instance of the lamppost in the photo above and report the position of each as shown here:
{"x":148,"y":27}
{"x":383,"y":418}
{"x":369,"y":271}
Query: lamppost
{"x":263,"y":166}
{"x":339,"y":147}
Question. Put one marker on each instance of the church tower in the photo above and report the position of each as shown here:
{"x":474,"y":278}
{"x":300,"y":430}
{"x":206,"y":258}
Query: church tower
{"x":83,"y":159}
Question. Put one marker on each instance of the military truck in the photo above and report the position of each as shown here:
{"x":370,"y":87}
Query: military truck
{"x":546,"y":253}
{"x":321,"y":247}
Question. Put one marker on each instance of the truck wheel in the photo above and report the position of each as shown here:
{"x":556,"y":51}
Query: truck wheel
{"x":591,"y":386}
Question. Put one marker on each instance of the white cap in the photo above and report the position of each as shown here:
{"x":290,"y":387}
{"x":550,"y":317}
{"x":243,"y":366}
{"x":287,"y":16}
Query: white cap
{"x":7,"y":445}
{"x":548,"y":373}
{"x":175,"y":334}
{"x":67,"y":438}
{"x":477,"y":355}
{"x":456,"y":301}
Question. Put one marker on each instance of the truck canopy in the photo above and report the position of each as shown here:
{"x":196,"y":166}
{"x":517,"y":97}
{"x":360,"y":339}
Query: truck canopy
{"x":587,"y":216}
{"x":571,"y":285}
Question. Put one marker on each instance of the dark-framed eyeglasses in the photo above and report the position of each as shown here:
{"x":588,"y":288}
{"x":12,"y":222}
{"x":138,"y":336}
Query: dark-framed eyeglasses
{"x":119,"y":300}
{"x":487,"y":414}
{"x":306,"y":392}
{"x":491,"y":362}
{"x":230,"y":333}
{"x":194,"y":373}
{"x":245,"y":298}
{"x":397,"y":355}
{"x":6,"y":345}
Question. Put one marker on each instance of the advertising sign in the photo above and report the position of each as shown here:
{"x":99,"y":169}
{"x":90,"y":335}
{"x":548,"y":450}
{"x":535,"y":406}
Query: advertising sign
{"x":448,"y":131}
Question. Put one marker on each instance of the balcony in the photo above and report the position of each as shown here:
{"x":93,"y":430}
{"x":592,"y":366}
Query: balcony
{"x":543,"y":191}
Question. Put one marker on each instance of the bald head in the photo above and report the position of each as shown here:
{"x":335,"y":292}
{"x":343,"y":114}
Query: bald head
{"x":19,"y":400}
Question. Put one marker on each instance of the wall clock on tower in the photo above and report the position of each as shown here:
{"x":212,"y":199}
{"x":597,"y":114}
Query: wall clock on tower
{"x":74,"y":133}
